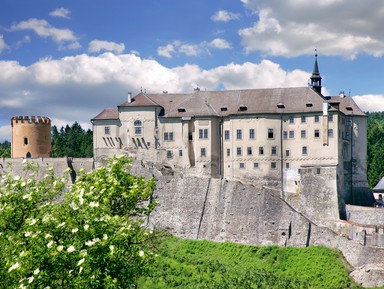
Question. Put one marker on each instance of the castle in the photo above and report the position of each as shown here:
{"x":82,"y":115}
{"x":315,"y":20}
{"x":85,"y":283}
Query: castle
{"x":264,"y":136}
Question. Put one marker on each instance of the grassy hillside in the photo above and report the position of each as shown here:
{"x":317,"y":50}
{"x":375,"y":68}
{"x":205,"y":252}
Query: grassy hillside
{"x":204,"y":264}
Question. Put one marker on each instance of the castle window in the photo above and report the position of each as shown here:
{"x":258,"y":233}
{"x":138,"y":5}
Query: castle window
{"x":287,"y":165}
{"x":168,"y":136}
{"x":203,"y":133}
{"x":169,"y":154}
{"x":291,"y":134}
{"x":228,"y":152}
{"x":287,"y":153}
{"x":285,"y":134}
{"x":238,"y":151}
{"x":181,"y":109}
{"x":249,"y":150}
{"x":270,"y":133}
{"x":303,"y":134}
{"x":28,"y":155}
{"x":107,"y":130}
{"x":203,"y":152}
{"x":138,"y":126}
{"x":242,"y":165}
{"x":304,"y":150}
{"x":291,"y":119}
{"x":255,"y":165}
{"x":317,"y":133}
{"x":330,"y":118}
{"x":274,"y":150}
{"x":243,"y":107}
{"x":330,"y":133}
{"x":261,"y":150}
{"x":273,"y":165}
{"x":25,"y":141}
{"x":239,"y":134}
{"x":317,"y":118}
{"x":223,"y":108}
{"x":303,"y":119}
{"x":180,"y":153}
{"x":318,"y":171}
{"x":252,"y":133}
{"x":309,"y":104}
{"x":226,"y":134}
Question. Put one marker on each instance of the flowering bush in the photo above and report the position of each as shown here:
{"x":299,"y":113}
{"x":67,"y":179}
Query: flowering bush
{"x":86,"y":235}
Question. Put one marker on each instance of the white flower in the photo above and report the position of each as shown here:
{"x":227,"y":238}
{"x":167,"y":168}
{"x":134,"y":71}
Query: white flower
{"x":105,"y":237}
{"x":16,"y":178}
{"x":60,"y":248}
{"x":60,"y":225}
{"x":27,"y":196}
{"x":22,"y":254}
{"x":47,"y":236}
{"x":23,"y":184}
{"x":83,"y":253}
{"x":112,"y":248}
{"x":33,"y":222}
{"x":27,"y":234}
{"x":14,"y":266}
{"x":50,"y":244}
{"x":75,"y":230}
{"x":92,"y":242}
{"x":73,"y":206}
{"x":30,"y":279}
{"x":37,"y":271}
{"x":81,"y":269}
{"x":22,"y":286}
{"x":81,"y":262}
{"x":86,"y":226}
{"x":71,"y":249}
{"x":93,"y":204}
{"x":141,"y":253}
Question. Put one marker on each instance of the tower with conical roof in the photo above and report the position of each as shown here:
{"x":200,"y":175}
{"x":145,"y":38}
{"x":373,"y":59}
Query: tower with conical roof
{"x":316,"y":78}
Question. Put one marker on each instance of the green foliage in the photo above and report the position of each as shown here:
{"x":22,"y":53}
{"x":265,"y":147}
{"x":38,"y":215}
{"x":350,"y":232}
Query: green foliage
{"x":204,"y":264}
{"x":5,"y":149}
{"x":375,"y":147}
{"x":92,"y":238}
{"x":72,"y":141}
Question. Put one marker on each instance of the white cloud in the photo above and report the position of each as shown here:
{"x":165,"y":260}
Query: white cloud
{"x":370,"y":102}
{"x":190,"y":49}
{"x":100,"y":45}
{"x":166,"y":51}
{"x":220,"y":43}
{"x":61,"y":13}
{"x":3,"y":45}
{"x":5,"y":132}
{"x":43,"y":29}
{"x":295,"y":27}
{"x":224,"y":16}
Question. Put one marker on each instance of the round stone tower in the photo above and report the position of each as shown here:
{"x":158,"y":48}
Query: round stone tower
{"x":31,"y":137}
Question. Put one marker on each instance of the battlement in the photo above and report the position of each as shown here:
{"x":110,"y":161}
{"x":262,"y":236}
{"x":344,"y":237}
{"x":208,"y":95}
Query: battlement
{"x":32,"y":119}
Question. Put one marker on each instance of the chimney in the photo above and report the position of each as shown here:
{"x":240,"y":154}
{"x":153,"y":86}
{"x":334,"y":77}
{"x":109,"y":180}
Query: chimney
{"x":129,"y":97}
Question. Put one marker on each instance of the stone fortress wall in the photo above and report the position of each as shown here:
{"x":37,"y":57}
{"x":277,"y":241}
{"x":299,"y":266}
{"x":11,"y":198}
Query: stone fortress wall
{"x":196,"y":207}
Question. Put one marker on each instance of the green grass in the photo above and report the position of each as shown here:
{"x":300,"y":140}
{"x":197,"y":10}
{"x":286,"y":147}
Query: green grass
{"x":204,"y":264}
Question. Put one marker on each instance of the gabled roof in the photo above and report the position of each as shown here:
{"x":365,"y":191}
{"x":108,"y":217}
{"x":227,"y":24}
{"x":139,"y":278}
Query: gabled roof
{"x":108,"y":114}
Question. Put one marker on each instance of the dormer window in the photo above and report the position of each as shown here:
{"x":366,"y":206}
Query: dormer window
{"x":181,"y":109}
{"x":224,"y":108}
{"x":243,"y":107}
{"x":349,"y":108}
{"x":309,"y":104}
{"x":280,"y":105}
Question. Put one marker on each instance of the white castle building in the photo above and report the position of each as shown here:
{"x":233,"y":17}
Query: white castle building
{"x":268,"y":136}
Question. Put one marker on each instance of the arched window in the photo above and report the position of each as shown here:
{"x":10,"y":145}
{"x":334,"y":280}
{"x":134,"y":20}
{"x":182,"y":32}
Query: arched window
{"x":138,"y":126}
{"x":28,"y":155}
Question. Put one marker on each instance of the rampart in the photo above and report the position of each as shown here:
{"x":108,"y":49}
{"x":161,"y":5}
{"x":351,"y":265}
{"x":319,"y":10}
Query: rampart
{"x":205,"y":208}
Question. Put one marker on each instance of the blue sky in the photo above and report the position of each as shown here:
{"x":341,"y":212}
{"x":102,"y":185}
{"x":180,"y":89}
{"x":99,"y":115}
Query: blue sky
{"x":70,"y":59}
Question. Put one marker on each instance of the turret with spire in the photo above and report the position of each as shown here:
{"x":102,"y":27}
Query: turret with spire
{"x":316,"y":78}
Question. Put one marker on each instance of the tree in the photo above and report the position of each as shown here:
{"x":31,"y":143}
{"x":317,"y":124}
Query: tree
{"x":5,"y":149}
{"x":72,"y":141}
{"x":93,"y":238}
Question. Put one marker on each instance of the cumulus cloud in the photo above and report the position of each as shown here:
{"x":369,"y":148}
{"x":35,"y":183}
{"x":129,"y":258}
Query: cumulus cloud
{"x":77,"y":88}
{"x":5,"y":133}
{"x":43,"y":29}
{"x":295,"y":27}
{"x":100,"y":45}
{"x":224,"y":16}
{"x":190,"y":49}
{"x":370,"y":102}
{"x":220,"y":43}
{"x":61,"y":13}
